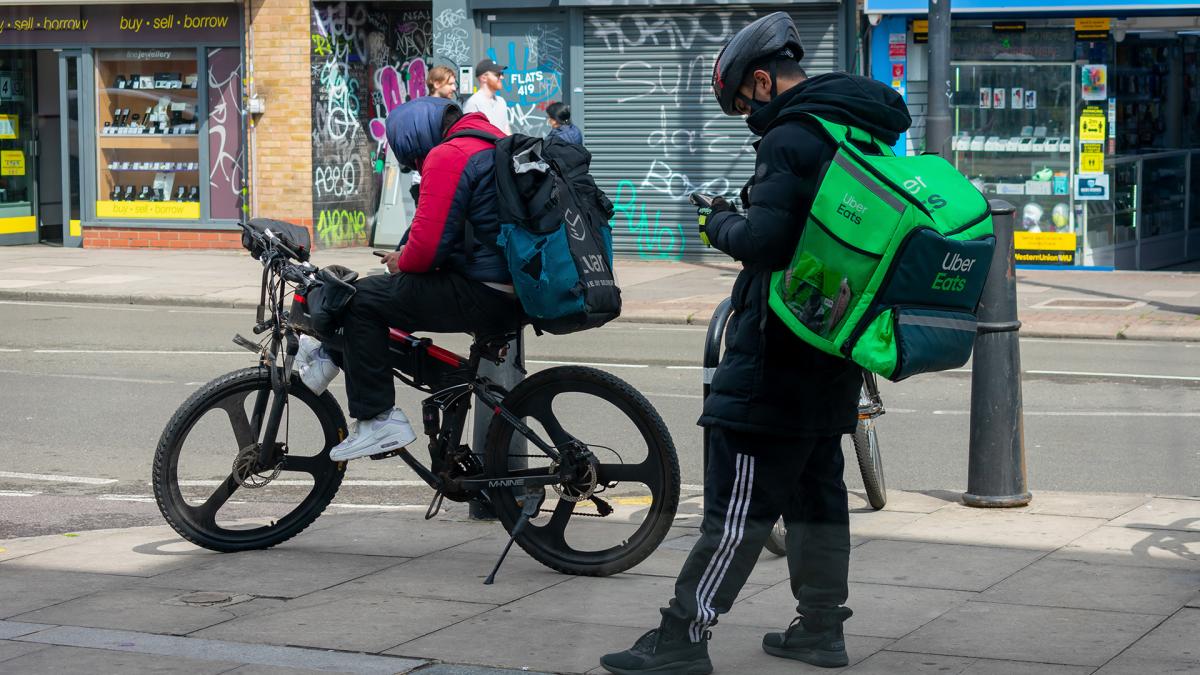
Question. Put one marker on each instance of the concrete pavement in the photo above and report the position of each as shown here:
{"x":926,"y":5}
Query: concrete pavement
{"x":1074,"y":583}
{"x":1132,"y":305}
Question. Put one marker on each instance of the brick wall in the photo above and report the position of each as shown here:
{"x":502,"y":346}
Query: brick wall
{"x":112,"y":237}
{"x":281,"y":141}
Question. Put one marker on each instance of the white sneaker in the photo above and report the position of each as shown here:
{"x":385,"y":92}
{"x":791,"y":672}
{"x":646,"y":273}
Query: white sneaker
{"x":316,"y":369}
{"x":390,"y":431}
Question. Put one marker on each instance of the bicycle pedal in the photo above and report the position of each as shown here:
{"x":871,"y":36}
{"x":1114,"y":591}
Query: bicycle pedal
{"x":385,"y":455}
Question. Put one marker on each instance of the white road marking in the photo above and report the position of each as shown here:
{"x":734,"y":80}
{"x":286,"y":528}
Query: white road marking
{"x":73,"y":305}
{"x":74,"y":376}
{"x":5,"y":349}
{"x":688,"y":487}
{"x":382,"y":507}
{"x":1130,"y":376}
{"x":144,"y":352}
{"x":662,"y":395}
{"x":126,"y":498}
{"x":306,"y":483}
{"x":685,"y":367}
{"x":587,"y":363}
{"x":1102,"y":342}
{"x":13,"y":493}
{"x":1083,"y":413}
{"x":55,"y":478}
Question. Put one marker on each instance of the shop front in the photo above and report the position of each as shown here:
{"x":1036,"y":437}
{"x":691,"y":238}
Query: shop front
{"x":120,"y":124}
{"x":1087,"y":124}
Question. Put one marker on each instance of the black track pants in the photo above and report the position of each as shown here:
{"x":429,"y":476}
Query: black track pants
{"x":439,"y":302}
{"x":751,"y":481}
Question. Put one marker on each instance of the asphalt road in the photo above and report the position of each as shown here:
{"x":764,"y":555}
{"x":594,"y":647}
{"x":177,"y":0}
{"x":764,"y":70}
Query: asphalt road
{"x":85,"y":391}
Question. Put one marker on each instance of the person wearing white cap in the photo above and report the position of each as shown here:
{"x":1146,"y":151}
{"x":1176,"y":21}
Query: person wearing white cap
{"x":487,"y":99}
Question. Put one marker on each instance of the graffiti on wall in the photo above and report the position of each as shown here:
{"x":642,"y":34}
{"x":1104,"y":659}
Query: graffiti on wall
{"x":225,"y":149}
{"x":451,"y":39}
{"x":365,"y":61}
{"x":535,"y":80}
{"x":690,"y":145}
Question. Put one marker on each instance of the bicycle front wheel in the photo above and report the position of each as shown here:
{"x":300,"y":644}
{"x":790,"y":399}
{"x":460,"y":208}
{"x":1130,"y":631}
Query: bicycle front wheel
{"x":206,"y":479}
{"x":870,"y":462}
{"x":623,"y":502}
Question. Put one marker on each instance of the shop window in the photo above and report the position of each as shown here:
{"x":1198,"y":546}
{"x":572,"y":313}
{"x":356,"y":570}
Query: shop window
{"x":148,"y":137}
{"x":16,"y":132}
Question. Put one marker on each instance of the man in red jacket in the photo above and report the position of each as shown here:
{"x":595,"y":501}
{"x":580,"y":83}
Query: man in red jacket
{"x":447,"y":275}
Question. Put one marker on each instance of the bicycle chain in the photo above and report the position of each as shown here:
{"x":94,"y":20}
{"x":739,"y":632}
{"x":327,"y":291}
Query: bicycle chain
{"x":551,"y":511}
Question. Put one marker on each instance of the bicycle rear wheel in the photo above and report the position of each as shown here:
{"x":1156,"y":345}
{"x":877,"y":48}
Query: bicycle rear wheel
{"x":619,"y":511}
{"x":207,"y":454}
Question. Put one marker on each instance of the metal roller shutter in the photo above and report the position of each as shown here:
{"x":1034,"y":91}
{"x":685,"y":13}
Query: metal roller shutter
{"x":655,"y":131}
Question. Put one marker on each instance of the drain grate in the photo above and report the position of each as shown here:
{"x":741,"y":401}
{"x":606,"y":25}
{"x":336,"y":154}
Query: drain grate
{"x":1089,"y":303}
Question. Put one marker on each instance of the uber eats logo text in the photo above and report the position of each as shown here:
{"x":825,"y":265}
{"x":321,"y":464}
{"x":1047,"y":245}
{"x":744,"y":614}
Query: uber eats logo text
{"x":915,"y":185}
{"x":947,"y":281}
{"x":851,"y":209}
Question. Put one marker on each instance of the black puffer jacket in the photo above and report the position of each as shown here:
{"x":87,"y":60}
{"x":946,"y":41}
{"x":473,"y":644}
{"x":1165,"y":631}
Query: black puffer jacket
{"x":769,"y":381}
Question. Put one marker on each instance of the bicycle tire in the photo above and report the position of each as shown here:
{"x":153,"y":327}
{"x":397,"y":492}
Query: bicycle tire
{"x":188,"y":522}
{"x":539,"y":542}
{"x":870,"y":463}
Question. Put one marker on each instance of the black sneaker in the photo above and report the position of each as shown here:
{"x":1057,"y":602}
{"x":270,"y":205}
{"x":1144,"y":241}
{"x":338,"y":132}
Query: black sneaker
{"x":826,"y":648}
{"x":656,"y":652}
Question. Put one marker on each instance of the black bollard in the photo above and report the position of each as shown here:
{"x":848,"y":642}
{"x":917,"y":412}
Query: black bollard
{"x":996,"y":469}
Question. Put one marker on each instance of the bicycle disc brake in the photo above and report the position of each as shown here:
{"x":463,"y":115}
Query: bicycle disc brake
{"x":249,"y":474}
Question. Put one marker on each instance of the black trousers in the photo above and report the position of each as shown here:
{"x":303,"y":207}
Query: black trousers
{"x":751,"y":481}
{"x":438,"y":302}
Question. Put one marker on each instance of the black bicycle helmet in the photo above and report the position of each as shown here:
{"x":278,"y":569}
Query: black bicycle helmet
{"x":774,"y":35}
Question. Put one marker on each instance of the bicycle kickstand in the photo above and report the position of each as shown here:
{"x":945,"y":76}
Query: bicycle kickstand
{"x":533,"y":502}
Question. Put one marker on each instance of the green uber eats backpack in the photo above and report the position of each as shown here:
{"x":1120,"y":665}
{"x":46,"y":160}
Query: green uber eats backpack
{"x":891,"y":262}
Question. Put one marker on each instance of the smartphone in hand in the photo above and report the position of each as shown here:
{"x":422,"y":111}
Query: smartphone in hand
{"x":379,"y":253}
{"x":702,"y":199}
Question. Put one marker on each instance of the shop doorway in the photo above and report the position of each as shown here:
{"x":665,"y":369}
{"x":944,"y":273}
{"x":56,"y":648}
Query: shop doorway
{"x":40,"y":147}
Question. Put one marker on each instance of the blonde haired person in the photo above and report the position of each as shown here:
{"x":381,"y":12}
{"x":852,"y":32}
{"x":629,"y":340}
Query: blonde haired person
{"x":441,"y":81}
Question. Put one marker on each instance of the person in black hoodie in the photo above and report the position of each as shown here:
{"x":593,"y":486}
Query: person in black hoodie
{"x":778,"y":407}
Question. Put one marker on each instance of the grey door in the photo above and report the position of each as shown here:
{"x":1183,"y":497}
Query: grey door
{"x":70,"y":153}
{"x":655,"y":131}
{"x":534,"y":47}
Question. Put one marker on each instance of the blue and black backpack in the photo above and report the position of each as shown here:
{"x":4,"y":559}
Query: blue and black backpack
{"x":554,"y":232}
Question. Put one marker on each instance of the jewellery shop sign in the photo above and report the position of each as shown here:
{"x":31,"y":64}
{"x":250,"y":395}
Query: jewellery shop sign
{"x":50,"y":25}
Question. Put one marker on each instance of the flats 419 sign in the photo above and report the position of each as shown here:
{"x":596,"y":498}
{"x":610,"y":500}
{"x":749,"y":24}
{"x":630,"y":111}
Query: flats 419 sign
{"x":118,"y":25}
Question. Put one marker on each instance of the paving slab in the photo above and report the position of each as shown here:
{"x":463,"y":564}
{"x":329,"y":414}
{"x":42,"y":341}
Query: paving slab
{"x":181,"y":649}
{"x":624,"y":600}
{"x":12,"y":549}
{"x":738,"y":649}
{"x":456,"y":669}
{"x":889,"y":663}
{"x":1084,"y":585}
{"x":14,"y":629}
{"x":995,"y":527}
{"x":1084,"y":505}
{"x":58,"y":660}
{"x":23,"y":589}
{"x":879,"y":611}
{"x":348,"y":621}
{"x":867,"y":524}
{"x":152,"y":610}
{"x":1177,"y":639}
{"x":946,"y":566}
{"x":906,"y":501}
{"x":1165,"y":514}
{"x":138,"y":552}
{"x":524,"y":640}
{"x":11,"y":650}
{"x":1129,"y":546}
{"x":453,"y":575}
{"x":668,"y":559}
{"x":1141,"y":665}
{"x":994,"y":667}
{"x":390,"y":534}
{"x":1024,"y":633}
{"x":275,"y":573}
{"x":255,"y":669}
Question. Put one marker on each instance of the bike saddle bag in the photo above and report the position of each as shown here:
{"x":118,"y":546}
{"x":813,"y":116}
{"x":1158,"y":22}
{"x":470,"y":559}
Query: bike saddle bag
{"x":318,"y":307}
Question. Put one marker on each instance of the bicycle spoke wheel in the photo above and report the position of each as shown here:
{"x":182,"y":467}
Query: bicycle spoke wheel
{"x":207,"y":478}
{"x":624,"y":490}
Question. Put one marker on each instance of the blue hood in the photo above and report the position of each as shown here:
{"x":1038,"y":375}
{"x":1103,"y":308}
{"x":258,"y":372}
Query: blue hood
{"x":415,"y":127}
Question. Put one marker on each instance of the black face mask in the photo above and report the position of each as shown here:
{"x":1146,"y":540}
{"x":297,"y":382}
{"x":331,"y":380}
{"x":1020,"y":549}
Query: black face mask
{"x":754,"y":105}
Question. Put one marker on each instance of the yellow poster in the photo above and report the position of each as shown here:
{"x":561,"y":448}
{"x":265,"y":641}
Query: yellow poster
{"x":147,"y":210}
{"x":1092,"y":124}
{"x":1091,"y":158}
{"x":12,"y":162}
{"x":10,"y":126}
{"x":1092,"y":24}
{"x":1044,"y":241}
